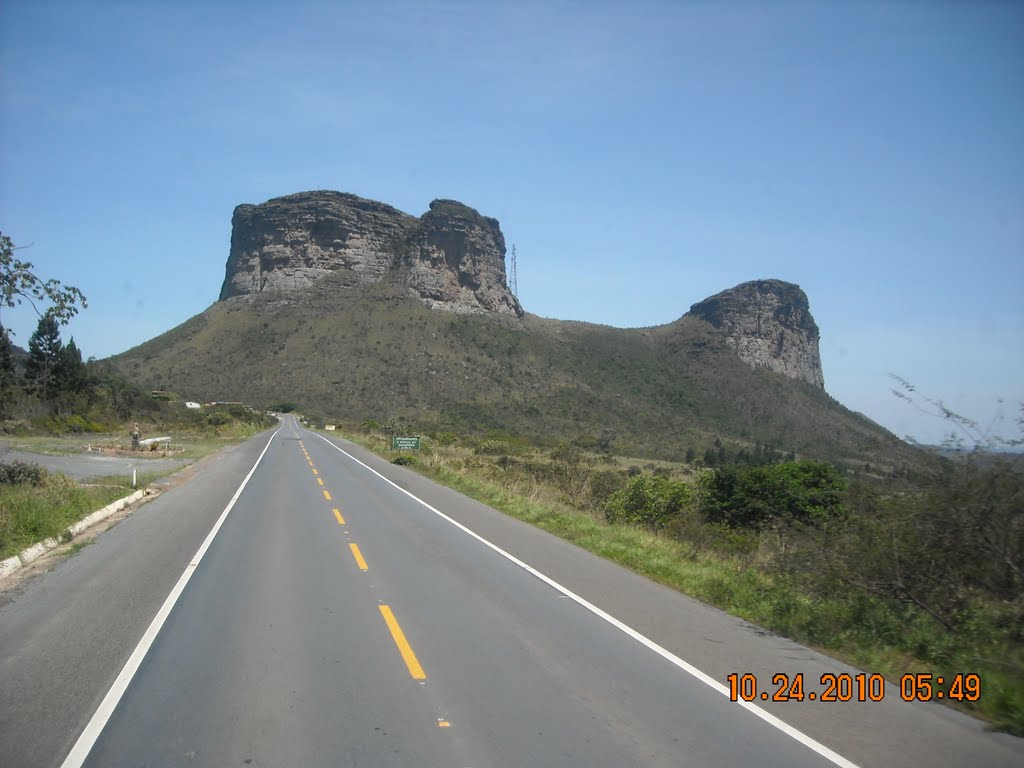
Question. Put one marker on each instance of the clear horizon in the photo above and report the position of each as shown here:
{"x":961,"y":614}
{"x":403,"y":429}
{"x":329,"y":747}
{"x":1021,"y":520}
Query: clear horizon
{"x":641,"y":157}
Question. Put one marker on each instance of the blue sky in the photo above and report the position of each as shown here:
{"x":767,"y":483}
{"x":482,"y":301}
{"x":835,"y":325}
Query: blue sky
{"x":641,"y":156}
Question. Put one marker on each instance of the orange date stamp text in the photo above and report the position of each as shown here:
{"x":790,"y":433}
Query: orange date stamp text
{"x":852,"y":687}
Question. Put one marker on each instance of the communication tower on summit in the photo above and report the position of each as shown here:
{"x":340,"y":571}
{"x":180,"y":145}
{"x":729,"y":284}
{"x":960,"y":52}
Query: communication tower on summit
{"x":513,"y":282}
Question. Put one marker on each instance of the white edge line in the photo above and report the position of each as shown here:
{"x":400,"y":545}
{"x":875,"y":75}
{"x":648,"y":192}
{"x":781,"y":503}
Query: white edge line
{"x":76,"y":757}
{"x":709,"y":681}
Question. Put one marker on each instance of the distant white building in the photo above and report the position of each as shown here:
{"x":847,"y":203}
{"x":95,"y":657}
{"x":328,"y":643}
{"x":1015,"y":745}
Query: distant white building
{"x":190,"y":404}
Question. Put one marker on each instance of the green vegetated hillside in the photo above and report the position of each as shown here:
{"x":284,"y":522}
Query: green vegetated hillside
{"x":352,"y":354}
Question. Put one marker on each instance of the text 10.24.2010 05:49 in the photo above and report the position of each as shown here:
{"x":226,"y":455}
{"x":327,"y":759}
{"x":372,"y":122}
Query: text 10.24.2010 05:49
{"x":854,"y":687}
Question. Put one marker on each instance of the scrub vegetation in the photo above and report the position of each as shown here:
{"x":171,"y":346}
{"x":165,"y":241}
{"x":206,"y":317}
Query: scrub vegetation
{"x":897,"y":578}
{"x":37,"y":505}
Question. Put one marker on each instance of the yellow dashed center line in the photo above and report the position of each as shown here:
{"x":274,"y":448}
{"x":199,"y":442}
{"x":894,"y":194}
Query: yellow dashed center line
{"x":359,"y":557}
{"x":408,"y":656}
{"x":403,"y":645}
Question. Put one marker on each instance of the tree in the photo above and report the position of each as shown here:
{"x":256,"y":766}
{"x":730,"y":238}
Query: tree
{"x":8,"y":375}
{"x":69,"y":373}
{"x":18,"y":282}
{"x":805,"y":492}
{"x":44,"y":352}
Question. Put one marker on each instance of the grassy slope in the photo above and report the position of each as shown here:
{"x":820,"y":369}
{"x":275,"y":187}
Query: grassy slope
{"x":356,"y":355}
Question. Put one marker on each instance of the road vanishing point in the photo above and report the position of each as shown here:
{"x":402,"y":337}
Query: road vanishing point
{"x":302,"y":602}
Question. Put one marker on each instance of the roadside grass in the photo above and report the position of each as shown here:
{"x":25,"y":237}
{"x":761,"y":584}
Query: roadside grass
{"x":29,"y":514}
{"x":142,"y":479}
{"x":53,"y":445}
{"x":861,"y":630}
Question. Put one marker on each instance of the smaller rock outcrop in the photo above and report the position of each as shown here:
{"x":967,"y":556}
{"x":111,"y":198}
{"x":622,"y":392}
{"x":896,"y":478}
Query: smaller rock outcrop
{"x":769,"y":324}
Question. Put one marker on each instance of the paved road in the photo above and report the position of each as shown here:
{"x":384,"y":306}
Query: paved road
{"x":336,"y":620}
{"x":89,"y":466}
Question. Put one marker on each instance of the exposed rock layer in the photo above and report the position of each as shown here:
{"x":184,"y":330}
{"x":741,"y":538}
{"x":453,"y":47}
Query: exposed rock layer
{"x":769,"y":324}
{"x":451,"y":258}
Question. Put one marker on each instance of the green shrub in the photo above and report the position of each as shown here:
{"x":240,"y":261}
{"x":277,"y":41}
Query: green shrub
{"x":218,"y":419}
{"x":806,"y":492}
{"x":445,"y":438}
{"x":15,"y":472}
{"x":241,"y":413}
{"x":604,"y":483}
{"x":403,"y":460}
{"x":494,"y":448}
{"x":649,"y":500}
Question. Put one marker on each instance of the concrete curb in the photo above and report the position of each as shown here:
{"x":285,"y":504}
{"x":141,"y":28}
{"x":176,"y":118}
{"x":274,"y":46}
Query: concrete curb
{"x":12,"y":564}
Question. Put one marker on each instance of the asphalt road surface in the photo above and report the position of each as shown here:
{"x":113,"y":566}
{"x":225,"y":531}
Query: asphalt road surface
{"x":86,"y":466}
{"x":300,"y":602}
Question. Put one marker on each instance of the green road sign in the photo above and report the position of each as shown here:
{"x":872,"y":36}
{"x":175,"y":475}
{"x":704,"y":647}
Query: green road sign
{"x":405,"y":443}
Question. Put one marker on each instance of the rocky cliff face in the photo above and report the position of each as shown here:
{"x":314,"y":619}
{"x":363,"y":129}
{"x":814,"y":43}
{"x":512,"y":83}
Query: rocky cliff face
{"x":457,"y":259}
{"x":452,"y":258}
{"x":769,"y":324}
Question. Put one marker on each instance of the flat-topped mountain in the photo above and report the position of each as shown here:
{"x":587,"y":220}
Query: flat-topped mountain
{"x":353,"y":309}
{"x":450,"y":258}
{"x":453,"y":258}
